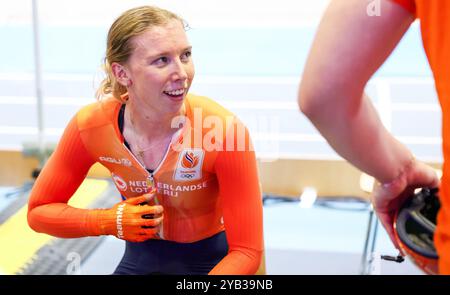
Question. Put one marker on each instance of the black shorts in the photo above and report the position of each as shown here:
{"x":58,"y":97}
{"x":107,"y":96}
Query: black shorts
{"x":167,"y":257}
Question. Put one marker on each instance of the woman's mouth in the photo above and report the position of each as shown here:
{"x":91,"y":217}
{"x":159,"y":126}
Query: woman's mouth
{"x":177,"y":94}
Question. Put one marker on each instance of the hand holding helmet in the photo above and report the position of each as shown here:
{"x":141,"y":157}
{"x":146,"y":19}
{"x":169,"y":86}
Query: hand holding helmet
{"x":389,"y":197}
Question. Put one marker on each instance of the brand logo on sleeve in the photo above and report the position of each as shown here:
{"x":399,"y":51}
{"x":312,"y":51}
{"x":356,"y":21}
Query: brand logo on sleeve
{"x":118,"y":161}
{"x":189,"y":165}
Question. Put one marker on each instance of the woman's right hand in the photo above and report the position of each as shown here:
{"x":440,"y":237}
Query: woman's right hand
{"x":132,"y":220}
{"x":388,"y":198}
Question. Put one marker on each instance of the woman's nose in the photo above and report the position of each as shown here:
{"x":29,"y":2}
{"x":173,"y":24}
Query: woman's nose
{"x":180,"y":71}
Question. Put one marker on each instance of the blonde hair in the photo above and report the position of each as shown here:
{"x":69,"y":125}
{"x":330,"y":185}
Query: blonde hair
{"x":119,"y":48}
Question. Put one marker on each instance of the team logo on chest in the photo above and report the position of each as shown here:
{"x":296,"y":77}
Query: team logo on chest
{"x":120,"y":183}
{"x":189,"y":165}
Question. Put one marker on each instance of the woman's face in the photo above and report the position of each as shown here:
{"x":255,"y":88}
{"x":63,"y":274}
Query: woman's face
{"x":160,"y":68}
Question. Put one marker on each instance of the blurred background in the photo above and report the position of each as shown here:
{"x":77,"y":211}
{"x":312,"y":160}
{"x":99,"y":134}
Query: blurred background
{"x":249,"y":56}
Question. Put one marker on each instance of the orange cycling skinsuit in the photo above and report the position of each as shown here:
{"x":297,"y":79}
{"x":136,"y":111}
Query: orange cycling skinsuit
{"x":434,"y":18}
{"x":207,"y":184}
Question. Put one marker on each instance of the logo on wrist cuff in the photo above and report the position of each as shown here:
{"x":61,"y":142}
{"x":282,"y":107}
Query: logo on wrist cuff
{"x":119,"y":214}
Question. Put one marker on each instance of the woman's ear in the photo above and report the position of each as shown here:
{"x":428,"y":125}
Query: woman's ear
{"x":121,"y":74}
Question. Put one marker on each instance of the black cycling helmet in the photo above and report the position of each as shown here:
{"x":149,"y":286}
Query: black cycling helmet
{"x":414,"y":226}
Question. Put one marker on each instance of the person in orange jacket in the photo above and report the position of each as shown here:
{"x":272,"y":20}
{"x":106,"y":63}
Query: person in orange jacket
{"x":184,"y":165}
{"x":348,"y":49}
